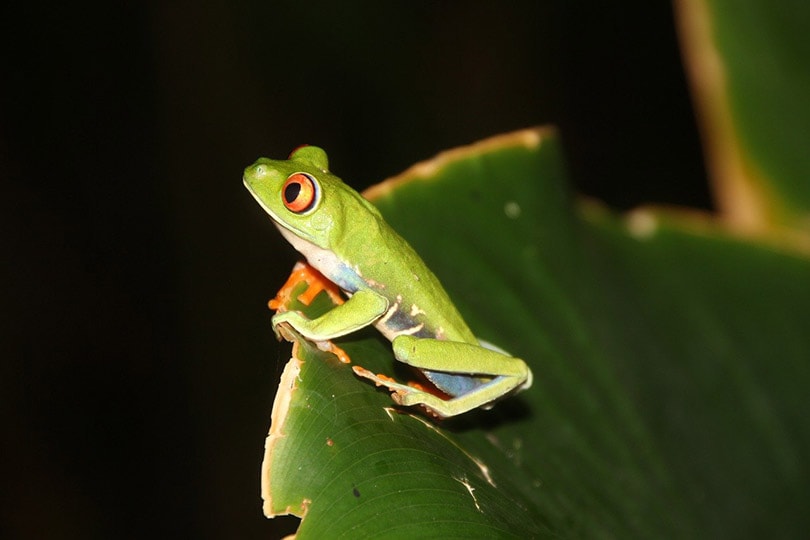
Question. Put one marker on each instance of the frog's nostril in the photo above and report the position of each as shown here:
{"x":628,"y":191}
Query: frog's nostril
{"x":254,"y":172}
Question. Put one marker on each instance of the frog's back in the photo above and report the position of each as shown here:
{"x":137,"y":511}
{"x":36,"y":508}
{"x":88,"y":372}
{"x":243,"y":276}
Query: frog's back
{"x":418,"y":303}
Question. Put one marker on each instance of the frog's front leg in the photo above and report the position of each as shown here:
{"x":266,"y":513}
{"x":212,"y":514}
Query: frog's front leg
{"x":359,"y":311}
{"x":508,"y":374}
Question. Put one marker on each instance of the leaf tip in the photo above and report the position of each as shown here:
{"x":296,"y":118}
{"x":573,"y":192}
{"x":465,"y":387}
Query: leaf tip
{"x":529,"y":138}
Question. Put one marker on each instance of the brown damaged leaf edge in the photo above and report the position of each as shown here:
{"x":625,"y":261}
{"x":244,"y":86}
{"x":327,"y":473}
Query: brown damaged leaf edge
{"x":281,"y":406}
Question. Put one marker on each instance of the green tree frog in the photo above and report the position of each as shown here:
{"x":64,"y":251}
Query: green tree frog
{"x":387,"y":284}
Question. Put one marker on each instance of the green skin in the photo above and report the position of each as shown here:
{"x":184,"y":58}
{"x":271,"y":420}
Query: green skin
{"x":387,"y":284}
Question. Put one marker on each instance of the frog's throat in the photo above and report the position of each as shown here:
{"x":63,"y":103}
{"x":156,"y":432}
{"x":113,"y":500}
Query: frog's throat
{"x":325,"y":261}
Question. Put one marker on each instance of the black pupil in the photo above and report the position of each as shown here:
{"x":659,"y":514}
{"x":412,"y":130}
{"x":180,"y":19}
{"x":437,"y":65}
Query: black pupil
{"x":291,"y":192}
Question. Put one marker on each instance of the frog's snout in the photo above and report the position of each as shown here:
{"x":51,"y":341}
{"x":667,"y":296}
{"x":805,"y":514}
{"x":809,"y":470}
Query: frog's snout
{"x":255,"y":173}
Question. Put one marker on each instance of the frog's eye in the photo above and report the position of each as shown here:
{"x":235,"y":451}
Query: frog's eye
{"x":300,"y":193}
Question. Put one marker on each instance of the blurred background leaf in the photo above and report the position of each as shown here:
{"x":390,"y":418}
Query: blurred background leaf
{"x":748,"y":65}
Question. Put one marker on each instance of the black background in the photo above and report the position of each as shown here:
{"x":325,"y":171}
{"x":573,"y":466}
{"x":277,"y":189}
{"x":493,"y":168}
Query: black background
{"x":138,"y":365}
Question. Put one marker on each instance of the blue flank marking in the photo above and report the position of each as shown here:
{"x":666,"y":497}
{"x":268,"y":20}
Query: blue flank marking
{"x":347,"y":279}
{"x":453,"y":384}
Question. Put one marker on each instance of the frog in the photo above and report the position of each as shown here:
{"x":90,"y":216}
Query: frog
{"x":386,"y":285}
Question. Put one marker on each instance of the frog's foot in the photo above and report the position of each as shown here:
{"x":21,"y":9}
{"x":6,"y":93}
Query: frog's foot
{"x":284,"y":326}
{"x":328,"y":346}
{"x":315,"y":281}
{"x":406,"y":395}
{"x":396,"y":388}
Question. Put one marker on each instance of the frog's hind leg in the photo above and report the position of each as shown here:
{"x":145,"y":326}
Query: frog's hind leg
{"x":458,"y":357}
{"x":507,"y":374}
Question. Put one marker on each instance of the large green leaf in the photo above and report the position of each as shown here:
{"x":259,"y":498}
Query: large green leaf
{"x":670,"y":362}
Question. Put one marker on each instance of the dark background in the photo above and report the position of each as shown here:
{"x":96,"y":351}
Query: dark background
{"x":138,"y":365}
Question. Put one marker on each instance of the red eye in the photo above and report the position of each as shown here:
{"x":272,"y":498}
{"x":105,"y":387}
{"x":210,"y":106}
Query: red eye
{"x":300,"y":193}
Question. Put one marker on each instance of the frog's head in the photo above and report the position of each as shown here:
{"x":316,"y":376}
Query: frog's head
{"x":301,"y":195}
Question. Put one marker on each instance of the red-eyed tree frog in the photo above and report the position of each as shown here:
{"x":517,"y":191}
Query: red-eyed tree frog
{"x":387,"y":284}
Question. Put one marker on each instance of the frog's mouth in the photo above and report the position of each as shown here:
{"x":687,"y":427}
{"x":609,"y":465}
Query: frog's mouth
{"x":249,"y":185}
